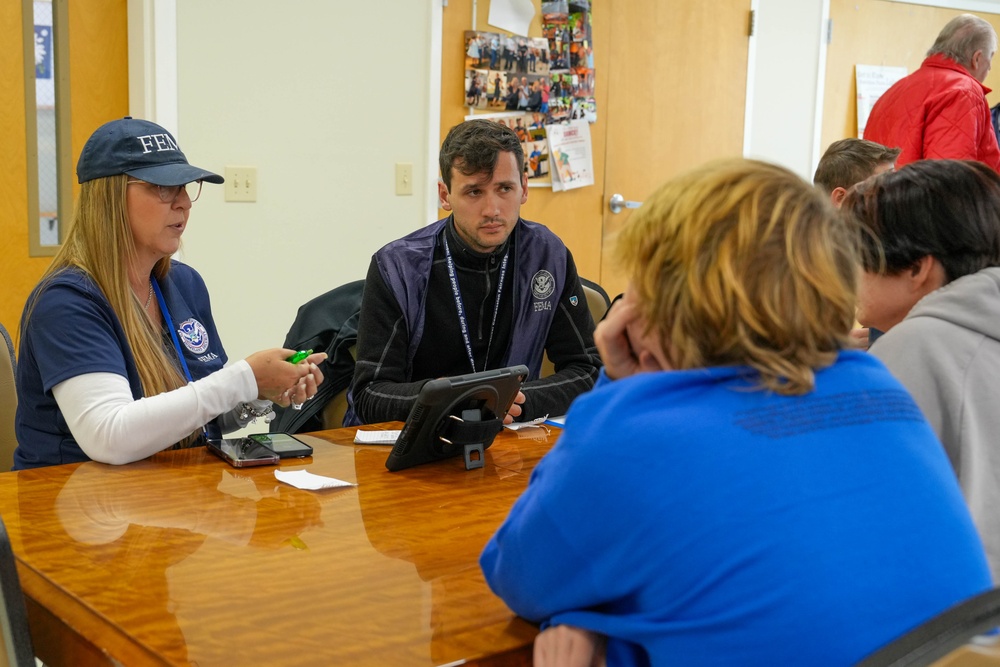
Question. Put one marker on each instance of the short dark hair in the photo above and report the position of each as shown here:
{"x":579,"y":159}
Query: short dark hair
{"x":948,"y":209}
{"x":850,"y":161}
{"x":476,"y":145}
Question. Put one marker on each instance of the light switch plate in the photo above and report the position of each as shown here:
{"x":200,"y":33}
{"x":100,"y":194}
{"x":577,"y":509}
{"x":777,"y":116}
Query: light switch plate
{"x":404,"y":178}
{"x":241,"y":184}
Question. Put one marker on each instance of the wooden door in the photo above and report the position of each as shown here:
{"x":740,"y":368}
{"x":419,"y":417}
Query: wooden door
{"x":677,"y":79}
{"x":98,"y":55}
{"x":670,"y":91}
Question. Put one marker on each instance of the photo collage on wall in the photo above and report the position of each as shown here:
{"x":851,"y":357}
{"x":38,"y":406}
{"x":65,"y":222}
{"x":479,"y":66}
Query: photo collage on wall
{"x":530,"y":129}
{"x":567,"y":27}
{"x":527,"y":83}
{"x":504,"y":72}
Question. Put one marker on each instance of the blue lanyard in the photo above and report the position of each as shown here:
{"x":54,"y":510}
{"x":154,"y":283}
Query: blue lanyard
{"x":463,"y":323}
{"x":173,"y":335}
{"x":170,"y":326}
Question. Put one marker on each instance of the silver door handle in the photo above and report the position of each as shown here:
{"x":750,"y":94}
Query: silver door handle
{"x":617,"y":203}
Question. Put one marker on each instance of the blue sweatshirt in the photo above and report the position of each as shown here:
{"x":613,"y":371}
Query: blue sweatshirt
{"x":697,"y":520}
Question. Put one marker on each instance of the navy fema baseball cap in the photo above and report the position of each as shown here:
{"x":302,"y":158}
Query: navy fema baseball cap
{"x":140,"y":149}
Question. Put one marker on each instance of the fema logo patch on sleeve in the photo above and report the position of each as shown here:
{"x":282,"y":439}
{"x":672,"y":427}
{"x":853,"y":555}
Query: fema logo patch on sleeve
{"x":542,"y":285}
{"x":193,"y":335}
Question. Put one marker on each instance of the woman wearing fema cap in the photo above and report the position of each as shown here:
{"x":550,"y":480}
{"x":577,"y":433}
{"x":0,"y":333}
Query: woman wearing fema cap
{"x":119,"y":355}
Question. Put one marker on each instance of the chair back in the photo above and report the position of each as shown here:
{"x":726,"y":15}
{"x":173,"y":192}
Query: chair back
{"x":598,"y":304}
{"x":8,"y":401}
{"x":944,"y":634}
{"x":597,"y":299}
{"x":327,"y":323}
{"x":333,"y":413}
{"x":16,"y":650}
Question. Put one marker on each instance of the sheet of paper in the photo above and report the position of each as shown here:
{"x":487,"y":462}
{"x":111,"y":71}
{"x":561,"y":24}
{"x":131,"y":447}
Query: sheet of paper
{"x":571,"y":155}
{"x":517,"y":426}
{"x":873,"y":80}
{"x":512,"y":15}
{"x":376,"y":437}
{"x":303,"y":479}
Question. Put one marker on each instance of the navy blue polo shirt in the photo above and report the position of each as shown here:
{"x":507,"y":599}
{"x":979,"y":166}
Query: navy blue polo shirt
{"x":72,"y":330}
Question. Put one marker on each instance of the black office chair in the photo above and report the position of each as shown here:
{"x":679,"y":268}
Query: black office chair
{"x":16,"y":650}
{"x":328,"y":323}
{"x":936,"y":638}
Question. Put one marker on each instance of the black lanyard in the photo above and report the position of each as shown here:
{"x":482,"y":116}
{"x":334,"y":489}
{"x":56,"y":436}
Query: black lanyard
{"x":463,"y":323}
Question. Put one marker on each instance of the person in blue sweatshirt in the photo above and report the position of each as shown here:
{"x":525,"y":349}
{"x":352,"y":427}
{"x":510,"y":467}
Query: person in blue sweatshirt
{"x":739,"y":488}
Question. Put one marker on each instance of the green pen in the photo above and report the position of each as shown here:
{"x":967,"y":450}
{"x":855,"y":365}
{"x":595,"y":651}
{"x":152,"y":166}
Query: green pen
{"x":299,"y":356}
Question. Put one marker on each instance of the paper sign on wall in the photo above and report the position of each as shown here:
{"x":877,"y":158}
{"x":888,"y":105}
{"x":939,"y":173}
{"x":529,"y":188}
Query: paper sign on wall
{"x":571,"y":155}
{"x":873,"y":80}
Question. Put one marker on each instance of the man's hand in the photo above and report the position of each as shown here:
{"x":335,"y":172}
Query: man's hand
{"x":515,"y":409}
{"x":569,"y":646}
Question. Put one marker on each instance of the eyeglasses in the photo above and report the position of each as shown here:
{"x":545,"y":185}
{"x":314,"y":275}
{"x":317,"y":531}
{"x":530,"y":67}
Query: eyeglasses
{"x":169,"y":193}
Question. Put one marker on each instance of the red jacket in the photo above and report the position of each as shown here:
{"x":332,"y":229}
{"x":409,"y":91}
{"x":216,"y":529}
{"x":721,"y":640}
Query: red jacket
{"x":938,"y":112}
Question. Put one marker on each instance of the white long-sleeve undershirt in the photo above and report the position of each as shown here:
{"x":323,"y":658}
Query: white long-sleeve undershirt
{"x":112,"y":427}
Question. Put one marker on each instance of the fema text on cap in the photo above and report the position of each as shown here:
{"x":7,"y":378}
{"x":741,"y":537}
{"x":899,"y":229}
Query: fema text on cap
{"x":161,"y":142}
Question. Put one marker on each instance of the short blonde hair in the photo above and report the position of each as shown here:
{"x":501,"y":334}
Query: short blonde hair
{"x":742,"y":262}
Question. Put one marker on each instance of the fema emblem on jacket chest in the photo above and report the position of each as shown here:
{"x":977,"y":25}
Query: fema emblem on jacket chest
{"x":542,"y":287}
{"x":193,"y":335}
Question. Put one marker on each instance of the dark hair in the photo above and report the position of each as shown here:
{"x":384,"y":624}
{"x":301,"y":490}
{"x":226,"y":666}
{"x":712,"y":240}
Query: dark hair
{"x":475,"y":145}
{"x":948,"y":209}
{"x":850,"y":161}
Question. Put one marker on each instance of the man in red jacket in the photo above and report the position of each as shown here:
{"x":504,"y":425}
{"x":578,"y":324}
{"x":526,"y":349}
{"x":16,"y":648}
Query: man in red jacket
{"x":940,"y":111}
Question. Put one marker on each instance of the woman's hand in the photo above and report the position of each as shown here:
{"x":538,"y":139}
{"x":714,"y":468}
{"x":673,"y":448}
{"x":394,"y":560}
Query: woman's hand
{"x":624,"y":349}
{"x":859,"y":339}
{"x":282,"y":382}
{"x":569,"y":646}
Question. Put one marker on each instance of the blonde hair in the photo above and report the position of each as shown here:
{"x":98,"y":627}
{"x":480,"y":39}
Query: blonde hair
{"x":743,"y":263}
{"x":99,"y":243}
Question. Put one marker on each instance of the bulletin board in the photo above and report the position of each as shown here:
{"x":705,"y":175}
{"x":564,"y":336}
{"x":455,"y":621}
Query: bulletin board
{"x":575,"y":216}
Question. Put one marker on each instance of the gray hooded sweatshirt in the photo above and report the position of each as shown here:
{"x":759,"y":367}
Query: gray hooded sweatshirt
{"x":946,"y":352}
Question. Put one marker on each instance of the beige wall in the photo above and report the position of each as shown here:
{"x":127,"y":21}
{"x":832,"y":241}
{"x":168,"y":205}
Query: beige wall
{"x":323,"y":98}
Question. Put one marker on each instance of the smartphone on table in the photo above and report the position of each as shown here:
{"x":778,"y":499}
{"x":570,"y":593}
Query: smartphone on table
{"x":284,"y":445}
{"x":242,"y":452}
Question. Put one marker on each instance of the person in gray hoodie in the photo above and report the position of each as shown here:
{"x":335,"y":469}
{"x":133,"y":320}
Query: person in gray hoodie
{"x":931,"y":281}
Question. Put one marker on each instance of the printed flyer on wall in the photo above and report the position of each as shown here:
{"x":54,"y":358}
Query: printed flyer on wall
{"x":571,"y":155}
{"x":872,"y":81}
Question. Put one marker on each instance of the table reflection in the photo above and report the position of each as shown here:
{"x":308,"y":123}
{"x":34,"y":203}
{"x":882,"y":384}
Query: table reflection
{"x":443,"y":534}
{"x":139,"y":522}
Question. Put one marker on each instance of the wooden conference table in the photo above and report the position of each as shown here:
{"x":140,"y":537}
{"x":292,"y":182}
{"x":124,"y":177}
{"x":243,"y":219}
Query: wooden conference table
{"x":181,"y":559}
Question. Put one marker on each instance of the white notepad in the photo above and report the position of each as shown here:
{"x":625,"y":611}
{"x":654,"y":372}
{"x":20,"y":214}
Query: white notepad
{"x":376,"y":437}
